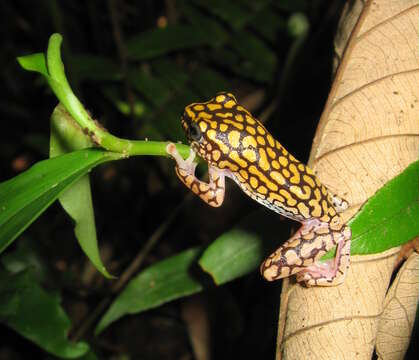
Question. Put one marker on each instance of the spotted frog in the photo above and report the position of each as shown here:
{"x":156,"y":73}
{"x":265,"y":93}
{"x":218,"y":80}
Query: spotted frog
{"x":236,"y":145}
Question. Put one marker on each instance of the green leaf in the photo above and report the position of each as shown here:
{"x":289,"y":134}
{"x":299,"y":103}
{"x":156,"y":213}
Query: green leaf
{"x":24,"y":197}
{"x":391,"y":217}
{"x":240,"y":250}
{"x":66,"y":136}
{"x":233,"y":254}
{"x":36,"y":315}
{"x":77,"y":202}
{"x":34,"y":62}
{"x":160,"y":41}
{"x":164,"y":281}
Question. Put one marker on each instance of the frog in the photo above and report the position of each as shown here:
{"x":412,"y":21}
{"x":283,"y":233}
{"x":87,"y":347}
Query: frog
{"x":236,"y":145}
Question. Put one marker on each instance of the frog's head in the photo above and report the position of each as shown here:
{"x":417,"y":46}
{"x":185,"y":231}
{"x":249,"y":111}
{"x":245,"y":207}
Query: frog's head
{"x":216,"y":129}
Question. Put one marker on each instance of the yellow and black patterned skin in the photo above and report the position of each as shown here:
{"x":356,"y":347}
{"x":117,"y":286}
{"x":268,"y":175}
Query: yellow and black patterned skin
{"x":238,"y":146}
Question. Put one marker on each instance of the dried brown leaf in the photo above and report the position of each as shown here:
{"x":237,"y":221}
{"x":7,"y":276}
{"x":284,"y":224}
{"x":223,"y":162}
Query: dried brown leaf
{"x":399,"y":313}
{"x":368,"y":133}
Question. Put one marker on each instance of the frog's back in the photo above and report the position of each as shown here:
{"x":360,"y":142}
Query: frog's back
{"x":238,"y":143}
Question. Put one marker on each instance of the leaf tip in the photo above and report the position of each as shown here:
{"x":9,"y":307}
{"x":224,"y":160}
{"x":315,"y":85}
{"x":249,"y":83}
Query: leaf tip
{"x":208,"y":271}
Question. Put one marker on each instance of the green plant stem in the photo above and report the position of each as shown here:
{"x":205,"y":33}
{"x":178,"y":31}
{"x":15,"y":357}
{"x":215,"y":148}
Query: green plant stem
{"x":59,"y":84}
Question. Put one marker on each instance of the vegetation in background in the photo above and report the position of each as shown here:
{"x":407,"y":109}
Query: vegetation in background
{"x":134,"y":67}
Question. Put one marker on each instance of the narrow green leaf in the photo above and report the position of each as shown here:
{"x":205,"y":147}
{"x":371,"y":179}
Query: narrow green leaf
{"x":34,"y":62}
{"x":24,"y":197}
{"x":66,"y":136}
{"x":241,"y":249}
{"x":77,"y":202}
{"x":164,"y":281}
{"x":233,"y":254}
{"x":29,"y":310}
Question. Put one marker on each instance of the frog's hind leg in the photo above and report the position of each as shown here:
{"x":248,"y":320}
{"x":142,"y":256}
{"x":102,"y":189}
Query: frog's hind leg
{"x":298,"y":252}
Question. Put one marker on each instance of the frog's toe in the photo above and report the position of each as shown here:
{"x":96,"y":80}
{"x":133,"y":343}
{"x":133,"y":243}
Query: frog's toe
{"x":171,"y":149}
{"x":339,"y":204}
{"x":321,"y":274}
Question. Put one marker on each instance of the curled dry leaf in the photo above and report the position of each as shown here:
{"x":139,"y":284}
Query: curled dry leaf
{"x":368,"y":134}
{"x":399,"y":312}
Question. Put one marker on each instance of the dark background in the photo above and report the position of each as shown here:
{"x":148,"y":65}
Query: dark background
{"x":114,"y":54}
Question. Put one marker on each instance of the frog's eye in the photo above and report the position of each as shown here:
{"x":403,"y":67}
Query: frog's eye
{"x":195,"y":132}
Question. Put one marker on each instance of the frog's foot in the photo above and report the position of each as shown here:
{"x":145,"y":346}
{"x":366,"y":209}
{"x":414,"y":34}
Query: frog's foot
{"x":339,"y":204}
{"x":332,"y":272}
{"x":300,"y":253}
{"x":188,"y":166}
{"x":213,"y":191}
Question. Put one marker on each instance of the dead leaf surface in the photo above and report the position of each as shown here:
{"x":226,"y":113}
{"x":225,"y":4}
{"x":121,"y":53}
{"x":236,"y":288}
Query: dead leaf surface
{"x":399,"y":312}
{"x":368,"y":133}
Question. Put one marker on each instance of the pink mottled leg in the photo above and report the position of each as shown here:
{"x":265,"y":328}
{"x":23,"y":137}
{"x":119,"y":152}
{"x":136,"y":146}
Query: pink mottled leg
{"x":298,"y":252}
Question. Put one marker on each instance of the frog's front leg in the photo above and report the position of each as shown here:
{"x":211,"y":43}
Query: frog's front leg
{"x":302,"y":251}
{"x":212,"y":192}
